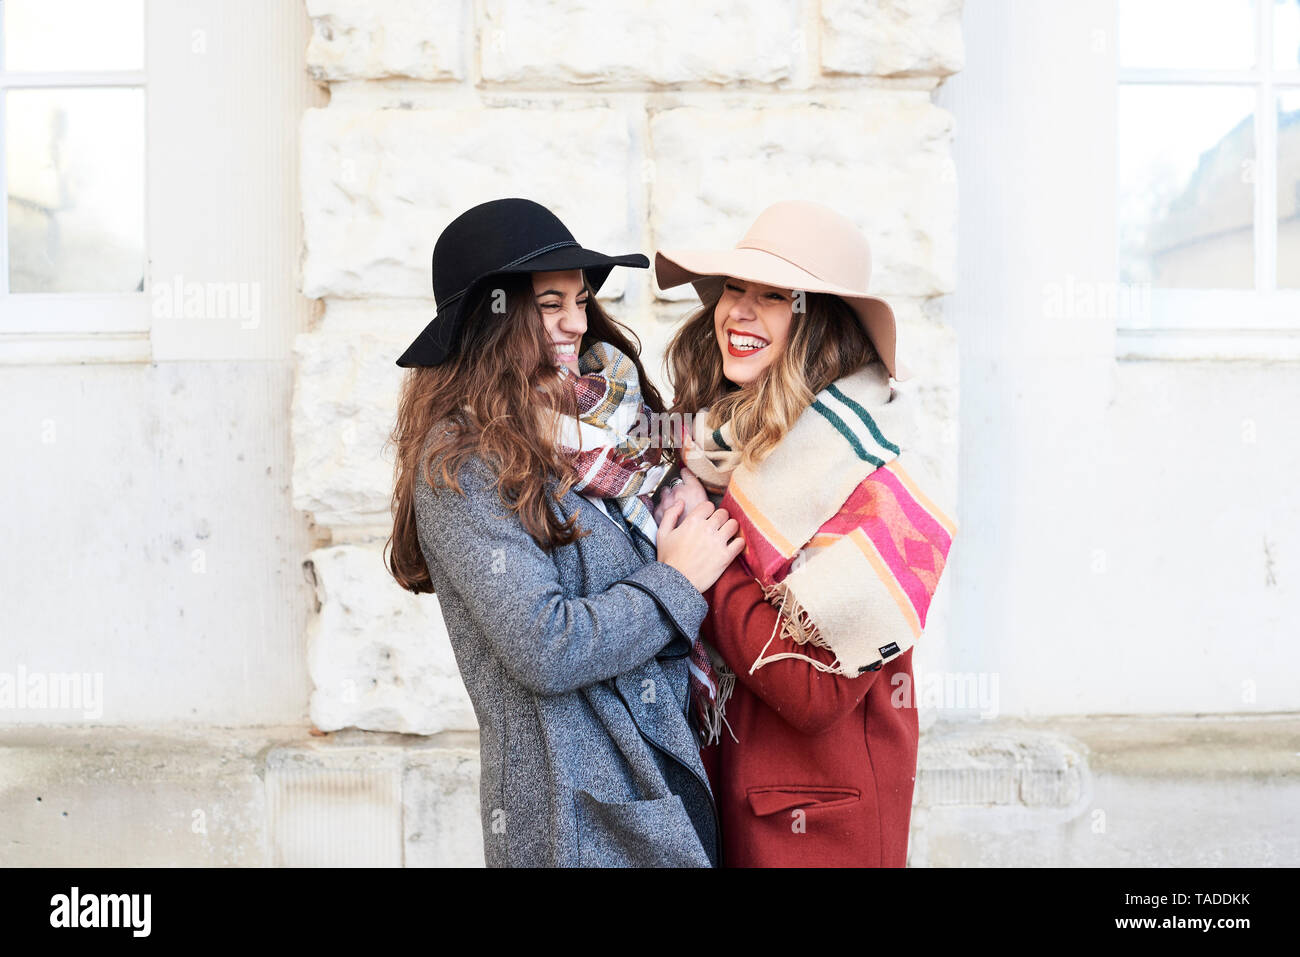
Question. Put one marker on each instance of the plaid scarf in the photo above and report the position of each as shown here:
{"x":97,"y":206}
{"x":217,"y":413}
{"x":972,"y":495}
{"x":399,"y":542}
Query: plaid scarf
{"x":838,"y":531}
{"x":609,"y":444}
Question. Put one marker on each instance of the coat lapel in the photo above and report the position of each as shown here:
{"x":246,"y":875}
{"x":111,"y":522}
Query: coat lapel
{"x":653,"y":718}
{"x":659,"y":719}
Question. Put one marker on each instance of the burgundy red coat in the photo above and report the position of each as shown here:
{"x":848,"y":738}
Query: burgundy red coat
{"x":823,"y":773}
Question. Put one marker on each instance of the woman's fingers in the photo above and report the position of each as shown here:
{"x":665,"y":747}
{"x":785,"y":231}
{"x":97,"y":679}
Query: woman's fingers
{"x":690,"y":488}
{"x":671,"y":514}
{"x":702,"y":510}
{"x":666,"y":501}
{"x":690,"y":480}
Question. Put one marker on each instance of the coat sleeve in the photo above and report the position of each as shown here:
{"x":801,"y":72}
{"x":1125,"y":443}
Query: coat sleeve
{"x":739,"y":624}
{"x":511,"y":588}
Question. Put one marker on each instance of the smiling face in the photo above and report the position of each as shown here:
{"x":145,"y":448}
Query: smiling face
{"x":752,"y":326}
{"x":562,"y":300}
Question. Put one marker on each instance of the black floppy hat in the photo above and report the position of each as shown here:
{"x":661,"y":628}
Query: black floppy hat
{"x":498,"y":238}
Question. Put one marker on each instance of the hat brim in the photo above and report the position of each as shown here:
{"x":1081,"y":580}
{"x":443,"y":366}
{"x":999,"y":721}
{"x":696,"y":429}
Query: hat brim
{"x":434,"y":343}
{"x":702,"y":268}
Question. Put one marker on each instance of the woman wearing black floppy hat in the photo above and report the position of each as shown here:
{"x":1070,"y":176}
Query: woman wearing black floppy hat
{"x":575,"y":628}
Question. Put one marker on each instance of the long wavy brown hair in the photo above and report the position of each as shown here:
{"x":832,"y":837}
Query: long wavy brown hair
{"x":496,"y":397}
{"x":826,"y":343}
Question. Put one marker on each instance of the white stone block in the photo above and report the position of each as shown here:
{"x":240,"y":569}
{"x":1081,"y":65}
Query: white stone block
{"x":883,"y":159}
{"x":636,"y":44}
{"x":187,"y":796}
{"x":360,"y":40}
{"x":440,"y":808}
{"x":344,"y":404}
{"x":978,"y":767}
{"x":379,"y":657}
{"x":928,"y":346}
{"x":892,"y":37}
{"x":379,"y":186}
{"x":334,"y":808}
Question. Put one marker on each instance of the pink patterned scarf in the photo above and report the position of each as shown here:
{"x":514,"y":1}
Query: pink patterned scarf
{"x":841,"y":533}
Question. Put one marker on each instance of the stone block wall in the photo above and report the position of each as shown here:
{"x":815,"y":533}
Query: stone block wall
{"x":643,"y":125}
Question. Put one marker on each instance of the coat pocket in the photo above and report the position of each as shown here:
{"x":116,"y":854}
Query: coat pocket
{"x":808,"y":826}
{"x":656,"y":833}
{"x":772,"y":799}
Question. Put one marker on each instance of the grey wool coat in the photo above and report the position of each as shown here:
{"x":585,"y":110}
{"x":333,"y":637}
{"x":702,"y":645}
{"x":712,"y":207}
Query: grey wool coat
{"x":575,"y":661}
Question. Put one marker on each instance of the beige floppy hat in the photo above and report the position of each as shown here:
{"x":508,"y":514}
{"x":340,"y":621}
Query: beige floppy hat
{"x":796,"y":245}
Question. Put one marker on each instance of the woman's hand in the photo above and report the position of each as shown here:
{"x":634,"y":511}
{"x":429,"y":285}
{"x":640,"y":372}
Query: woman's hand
{"x":689,"y":491}
{"x":700,"y":543}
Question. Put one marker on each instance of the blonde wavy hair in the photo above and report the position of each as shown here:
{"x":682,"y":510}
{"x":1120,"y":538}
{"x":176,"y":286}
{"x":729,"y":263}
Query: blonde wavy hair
{"x":826,"y":343}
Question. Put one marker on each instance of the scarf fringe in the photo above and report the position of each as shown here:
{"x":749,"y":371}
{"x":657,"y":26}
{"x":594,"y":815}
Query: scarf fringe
{"x":712,"y":717}
{"x":796,"y":625}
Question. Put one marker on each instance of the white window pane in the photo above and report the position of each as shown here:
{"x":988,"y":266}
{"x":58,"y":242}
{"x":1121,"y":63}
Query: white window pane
{"x":57,"y":35}
{"x":1187,"y":33}
{"x":1288,"y":190}
{"x":1186,"y":179}
{"x":75,"y":172}
{"x":1286,"y":34}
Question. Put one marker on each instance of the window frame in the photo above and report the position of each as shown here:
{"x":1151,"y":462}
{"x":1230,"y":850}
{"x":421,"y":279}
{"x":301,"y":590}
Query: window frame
{"x":70,"y":326}
{"x":1199,"y":323}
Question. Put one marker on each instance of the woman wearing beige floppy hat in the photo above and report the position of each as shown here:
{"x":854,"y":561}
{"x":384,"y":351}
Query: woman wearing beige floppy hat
{"x":794,"y":426}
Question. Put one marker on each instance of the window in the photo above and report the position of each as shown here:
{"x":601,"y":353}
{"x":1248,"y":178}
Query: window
{"x":73,"y":258}
{"x":1208,"y":138}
